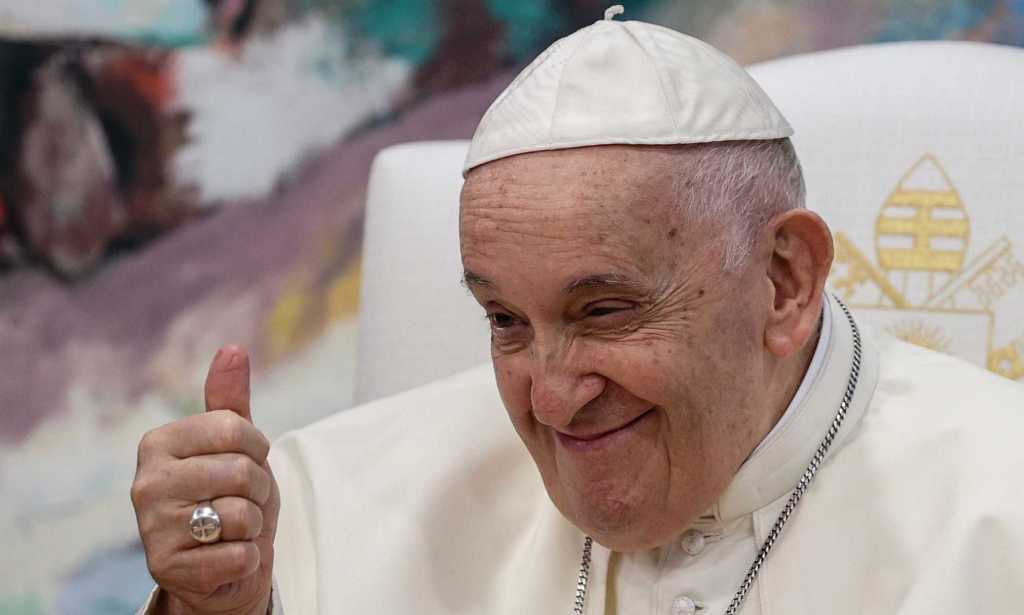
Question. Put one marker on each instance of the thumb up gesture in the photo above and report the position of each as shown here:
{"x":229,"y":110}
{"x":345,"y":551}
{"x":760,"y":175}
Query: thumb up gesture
{"x":207,"y":503}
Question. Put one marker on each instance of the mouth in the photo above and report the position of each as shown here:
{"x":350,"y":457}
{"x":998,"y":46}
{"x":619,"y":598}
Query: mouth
{"x":592,"y":441}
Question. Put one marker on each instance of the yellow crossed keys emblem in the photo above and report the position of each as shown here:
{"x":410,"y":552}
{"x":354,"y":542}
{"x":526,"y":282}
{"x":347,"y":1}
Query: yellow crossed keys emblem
{"x":924,"y":289}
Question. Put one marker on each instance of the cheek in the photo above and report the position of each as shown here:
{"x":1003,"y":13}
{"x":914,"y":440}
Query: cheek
{"x":649,"y":371}
{"x":513,"y":381}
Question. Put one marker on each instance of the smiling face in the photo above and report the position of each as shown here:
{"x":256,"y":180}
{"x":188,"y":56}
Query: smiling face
{"x":633,"y":367}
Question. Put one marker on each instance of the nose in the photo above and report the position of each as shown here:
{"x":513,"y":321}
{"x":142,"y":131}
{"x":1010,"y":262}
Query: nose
{"x":559,"y":389}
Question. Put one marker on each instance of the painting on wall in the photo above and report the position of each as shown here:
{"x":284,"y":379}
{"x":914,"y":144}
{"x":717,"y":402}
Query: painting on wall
{"x":181,"y":175}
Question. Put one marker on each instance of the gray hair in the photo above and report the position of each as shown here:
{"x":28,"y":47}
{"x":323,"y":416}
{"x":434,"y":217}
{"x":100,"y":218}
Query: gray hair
{"x":739,"y":186}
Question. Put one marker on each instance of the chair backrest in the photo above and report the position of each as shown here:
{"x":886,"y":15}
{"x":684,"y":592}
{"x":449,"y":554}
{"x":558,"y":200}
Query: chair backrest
{"x":416,"y":323}
{"x":912,"y":152}
{"x":914,"y":155}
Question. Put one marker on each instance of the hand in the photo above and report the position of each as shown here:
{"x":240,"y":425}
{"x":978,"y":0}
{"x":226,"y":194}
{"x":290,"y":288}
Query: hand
{"x":218,"y":456}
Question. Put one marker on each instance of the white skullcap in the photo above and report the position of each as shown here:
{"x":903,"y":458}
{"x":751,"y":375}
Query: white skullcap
{"x":625,"y":82}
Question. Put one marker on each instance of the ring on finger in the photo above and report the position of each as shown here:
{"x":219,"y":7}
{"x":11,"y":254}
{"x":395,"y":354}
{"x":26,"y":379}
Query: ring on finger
{"x":205,"y":524}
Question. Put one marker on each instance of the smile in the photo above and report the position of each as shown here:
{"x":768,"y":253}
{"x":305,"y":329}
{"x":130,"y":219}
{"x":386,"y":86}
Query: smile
{"x":596,"y":441}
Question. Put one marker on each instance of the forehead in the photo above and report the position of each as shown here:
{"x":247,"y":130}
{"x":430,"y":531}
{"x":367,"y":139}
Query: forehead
{"x":607,"y":170}
{"x":613,"y":191}
{"x":575,"y":212}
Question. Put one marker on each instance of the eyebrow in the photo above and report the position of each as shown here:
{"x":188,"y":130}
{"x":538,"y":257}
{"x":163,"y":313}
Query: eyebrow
{"x":471,"y":279}
{"x":602,"y":281}
{"x":590,"y":282}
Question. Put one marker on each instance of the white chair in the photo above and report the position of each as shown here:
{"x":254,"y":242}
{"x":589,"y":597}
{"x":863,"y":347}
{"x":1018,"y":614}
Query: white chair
{"x":416,"y":323}
{"x":912,"y":152}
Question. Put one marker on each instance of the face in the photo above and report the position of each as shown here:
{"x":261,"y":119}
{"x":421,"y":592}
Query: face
{"x":630,"y":363}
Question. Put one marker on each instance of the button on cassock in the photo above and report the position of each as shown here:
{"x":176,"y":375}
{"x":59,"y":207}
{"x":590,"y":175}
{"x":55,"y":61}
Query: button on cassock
{"x":684,"y":605}
{"x":692,"y":542}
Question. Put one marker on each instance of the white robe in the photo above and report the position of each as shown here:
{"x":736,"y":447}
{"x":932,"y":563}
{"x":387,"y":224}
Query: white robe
{"x":427,"y":502}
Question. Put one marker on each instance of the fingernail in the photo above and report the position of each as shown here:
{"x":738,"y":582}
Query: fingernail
{"x":236,"y":360}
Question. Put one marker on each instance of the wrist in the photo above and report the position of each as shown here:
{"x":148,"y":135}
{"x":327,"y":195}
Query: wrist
{"x":168,"y":604}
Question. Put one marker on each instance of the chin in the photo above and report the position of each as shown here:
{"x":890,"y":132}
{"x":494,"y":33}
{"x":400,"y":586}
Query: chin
{"x":636,"y":520}
{"x":638,"y":536}
{"x":619,"y":524}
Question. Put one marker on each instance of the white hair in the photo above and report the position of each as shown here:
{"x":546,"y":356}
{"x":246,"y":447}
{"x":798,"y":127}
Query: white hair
{"x":739,"y":186}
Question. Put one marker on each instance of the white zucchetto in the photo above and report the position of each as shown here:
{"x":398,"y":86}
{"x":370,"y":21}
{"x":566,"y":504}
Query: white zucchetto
{"x":625,"y":82}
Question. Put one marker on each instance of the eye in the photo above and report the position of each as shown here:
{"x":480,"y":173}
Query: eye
{"x":604,"y":311}
{"x":598,"y":310}
{"x":500,"y":320}
{"x":508,"y":333}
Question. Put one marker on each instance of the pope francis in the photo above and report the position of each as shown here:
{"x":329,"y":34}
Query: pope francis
{"x":696,"y":426}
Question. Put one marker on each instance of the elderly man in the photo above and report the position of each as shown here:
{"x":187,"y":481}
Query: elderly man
{"x":705,"y":430}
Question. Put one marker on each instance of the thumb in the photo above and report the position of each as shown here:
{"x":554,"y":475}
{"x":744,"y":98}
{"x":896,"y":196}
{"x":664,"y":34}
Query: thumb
{"x":227,"y":382}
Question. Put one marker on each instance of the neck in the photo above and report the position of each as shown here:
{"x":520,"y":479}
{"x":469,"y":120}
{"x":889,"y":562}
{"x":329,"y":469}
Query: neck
{"x":789,"y":375}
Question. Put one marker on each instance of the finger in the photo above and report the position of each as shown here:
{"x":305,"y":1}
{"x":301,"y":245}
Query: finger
{"x":227,"y":382}
{"x":203,"y":569}
{"x":220,"y":431}
{"x":208,"y":477}
{"x":170,"y":531}
{"x":240,"y":519}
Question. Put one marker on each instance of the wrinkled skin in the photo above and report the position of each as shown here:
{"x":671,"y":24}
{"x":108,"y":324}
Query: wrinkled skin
{"x":219,"y":456}
{"x":638,"y":373}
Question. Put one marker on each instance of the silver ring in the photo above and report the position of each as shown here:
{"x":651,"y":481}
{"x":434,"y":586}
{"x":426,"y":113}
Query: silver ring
{"x":205,"y":523}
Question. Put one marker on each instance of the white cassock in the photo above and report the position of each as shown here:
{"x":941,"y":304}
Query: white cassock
{"x":428,"y":502}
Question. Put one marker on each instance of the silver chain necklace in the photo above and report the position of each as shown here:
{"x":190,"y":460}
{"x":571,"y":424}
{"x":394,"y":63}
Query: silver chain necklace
{"x":787,"y":510}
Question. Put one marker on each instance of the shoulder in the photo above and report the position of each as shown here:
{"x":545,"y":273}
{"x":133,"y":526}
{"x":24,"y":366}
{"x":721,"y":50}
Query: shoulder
{"x":425,"y":490}
{"x":935,"y":419}
{"x":924,"y":490}
{"x":419,"y":454}
{"x":927,"y":391}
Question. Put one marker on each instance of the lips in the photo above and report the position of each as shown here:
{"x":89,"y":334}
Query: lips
{"x":593,"y":440}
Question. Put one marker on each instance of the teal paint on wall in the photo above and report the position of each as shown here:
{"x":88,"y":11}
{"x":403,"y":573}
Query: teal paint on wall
{"x":529,"y":24}
{"x":409,"y":29}
{"x":933,"y":19}
{"x":174,"y":23}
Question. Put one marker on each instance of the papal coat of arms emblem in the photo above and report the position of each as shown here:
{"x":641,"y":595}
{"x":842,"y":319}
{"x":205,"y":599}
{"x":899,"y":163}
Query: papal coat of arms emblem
{"x":928,"y":287}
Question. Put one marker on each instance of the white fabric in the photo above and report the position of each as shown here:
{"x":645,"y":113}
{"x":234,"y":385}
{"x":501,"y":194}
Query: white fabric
{"x":416,"y":324}
{"x":625,"y":82}
{"x":864,"y":116}
{"x":911,"y":513}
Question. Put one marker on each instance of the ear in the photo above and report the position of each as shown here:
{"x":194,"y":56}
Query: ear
{"x":798,"y":266}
